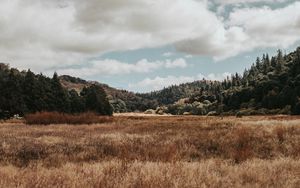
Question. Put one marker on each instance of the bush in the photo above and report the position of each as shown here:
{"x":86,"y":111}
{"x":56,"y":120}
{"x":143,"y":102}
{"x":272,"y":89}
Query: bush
{"x":212,"y":113}
{"x":150,"y":111}
{"x":46,"y":118}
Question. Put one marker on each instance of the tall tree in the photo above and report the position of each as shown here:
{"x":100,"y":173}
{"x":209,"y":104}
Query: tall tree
{"x":59,"y":98}
{"x":30,"y":88}
{"x":96,"y":100}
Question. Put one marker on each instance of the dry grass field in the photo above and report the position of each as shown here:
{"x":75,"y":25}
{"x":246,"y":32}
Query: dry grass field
{"x":137,"y":151}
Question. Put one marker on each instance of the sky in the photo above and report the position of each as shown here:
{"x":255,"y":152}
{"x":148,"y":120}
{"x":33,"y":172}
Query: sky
{"x":145,"y":45}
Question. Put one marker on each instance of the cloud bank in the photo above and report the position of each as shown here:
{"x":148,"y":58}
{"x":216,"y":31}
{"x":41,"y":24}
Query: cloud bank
{"x":46,"y":34}
{"x":224,"y":2}
{"x":109,"y":67}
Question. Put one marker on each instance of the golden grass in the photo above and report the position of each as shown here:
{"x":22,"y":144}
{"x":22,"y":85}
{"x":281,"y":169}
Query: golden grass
{"x":139,"y":151}
{"x":120,"y":174}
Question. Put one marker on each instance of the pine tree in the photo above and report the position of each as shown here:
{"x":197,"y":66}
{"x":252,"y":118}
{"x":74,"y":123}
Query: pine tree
{"x":30,"y":92}
{"x":14,"y":101}
{"x":258,"y":64}
{"x":76,"y":102}
{"x":60,"y":98}
{"x":96,"y":100}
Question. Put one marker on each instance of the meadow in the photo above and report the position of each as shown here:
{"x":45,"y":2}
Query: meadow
{"x":158,"y":151}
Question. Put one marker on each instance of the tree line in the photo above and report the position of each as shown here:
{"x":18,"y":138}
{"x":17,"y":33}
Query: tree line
{"x":269,"y":86}
{"x":25,"y":92}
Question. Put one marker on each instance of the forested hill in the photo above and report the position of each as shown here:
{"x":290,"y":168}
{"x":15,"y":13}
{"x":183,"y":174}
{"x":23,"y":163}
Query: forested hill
{"x":270,"y":86}
{"x":121,"y":100}
{"x":25,"y":92}
{"x":172,"y":94}
{"x":126,"y":101}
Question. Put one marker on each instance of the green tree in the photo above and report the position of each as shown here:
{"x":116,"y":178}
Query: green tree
{"x":30,"y":90}
{"x":12,"y":94}
{"x":59,"y":97}
{"x":96,"y":100}
{"x":76,"y":102}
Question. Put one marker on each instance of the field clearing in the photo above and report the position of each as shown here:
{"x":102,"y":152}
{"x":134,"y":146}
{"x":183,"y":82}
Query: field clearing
{"x":145,"y":151}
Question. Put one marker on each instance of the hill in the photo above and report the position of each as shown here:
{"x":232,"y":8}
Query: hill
{"x":270,"y":86}
{"x":172,"y":94}
{"x":121,"y":100}
{"x":127,"y":101}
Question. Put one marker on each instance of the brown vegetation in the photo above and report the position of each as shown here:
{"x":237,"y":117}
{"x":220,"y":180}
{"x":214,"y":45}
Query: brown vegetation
{"x":47,"y":118}
{"x":120,"y":174}
{"x":153,"y":152}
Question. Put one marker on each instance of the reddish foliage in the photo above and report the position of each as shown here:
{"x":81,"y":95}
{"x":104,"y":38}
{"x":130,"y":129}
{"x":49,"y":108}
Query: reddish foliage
{"x":46,"y":118}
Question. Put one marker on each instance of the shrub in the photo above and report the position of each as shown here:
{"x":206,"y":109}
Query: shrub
{"x":149,"y":111}
{"x":46,"y":118}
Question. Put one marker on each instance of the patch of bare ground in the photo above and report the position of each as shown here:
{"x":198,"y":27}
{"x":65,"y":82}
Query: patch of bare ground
{"x":142,"y":151}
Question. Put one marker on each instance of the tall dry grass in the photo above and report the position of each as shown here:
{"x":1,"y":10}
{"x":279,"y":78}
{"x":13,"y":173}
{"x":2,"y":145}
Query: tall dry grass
{"x":47,"y":118}
{"x":121,"y":174}
{"x":153,"y":152}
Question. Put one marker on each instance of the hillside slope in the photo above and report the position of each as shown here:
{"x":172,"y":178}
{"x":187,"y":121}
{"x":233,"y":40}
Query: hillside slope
{"x":127,"y":101}
{"x":270,"y":86}
{"x":172,"y":94}
{"x":121,"y":100}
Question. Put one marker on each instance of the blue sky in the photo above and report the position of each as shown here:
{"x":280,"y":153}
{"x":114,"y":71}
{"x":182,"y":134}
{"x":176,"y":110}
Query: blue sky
{"x":144,"y":45}
{"x":197,"y":66}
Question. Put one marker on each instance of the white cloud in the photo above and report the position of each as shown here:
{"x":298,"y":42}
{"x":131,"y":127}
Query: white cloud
{"x":158,"y":82}
{"x":213,"y":76}
{"x":114,"y":67}
{"x":247,"y":1}
{"x":248,"y":29}
{"x":43,"y":35}
{"x":46,"y":34}
{"x":180,"y":63}
{"x":266,"y":27}
{"x":188,"y":56}
{"x":168,"y":54}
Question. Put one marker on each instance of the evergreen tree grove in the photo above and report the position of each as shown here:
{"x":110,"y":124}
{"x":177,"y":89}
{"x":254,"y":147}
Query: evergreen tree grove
{"x":25,"y":92}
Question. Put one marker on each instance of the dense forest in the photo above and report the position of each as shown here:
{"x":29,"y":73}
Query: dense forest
{"x":270,"y":86}
{"x":25,"y":92}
